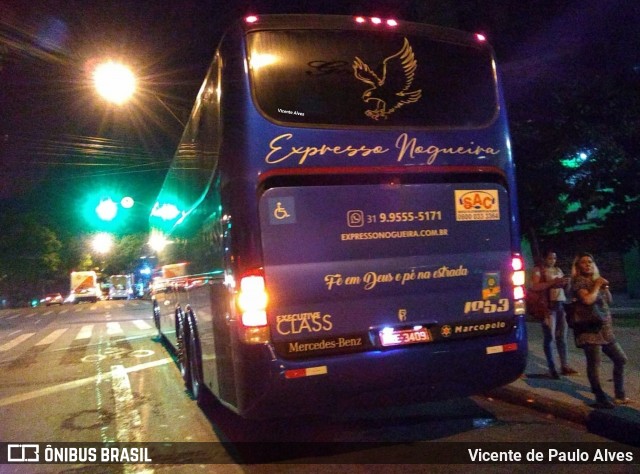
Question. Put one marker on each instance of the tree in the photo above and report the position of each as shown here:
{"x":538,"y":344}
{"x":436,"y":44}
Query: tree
{"x":581,"y":166}
{"x":125,"y":256}
{"x":29,"y":257}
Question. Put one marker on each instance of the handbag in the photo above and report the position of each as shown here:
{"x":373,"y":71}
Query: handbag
{"x":538,"y":302}
{"x":584,"y":317}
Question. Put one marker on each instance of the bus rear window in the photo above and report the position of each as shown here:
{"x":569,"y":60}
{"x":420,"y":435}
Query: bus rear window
{"x":350,"y":78}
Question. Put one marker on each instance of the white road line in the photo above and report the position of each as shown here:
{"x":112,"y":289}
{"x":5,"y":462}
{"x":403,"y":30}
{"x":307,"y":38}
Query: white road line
{"x":51,"y":337}
{"x":47,"y":312}
{"x":74,"y":384}
{"x":85,"y":332}
{"x":30,"y":315}
{"x":128,"y":421}
{"x":18,"y":340}
{"x":114,"y":329}
{"x":140,"y":324}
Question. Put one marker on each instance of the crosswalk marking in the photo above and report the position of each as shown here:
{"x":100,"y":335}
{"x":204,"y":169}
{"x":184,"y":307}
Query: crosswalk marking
{"x":114,"y":329}
{"x":140,"y":324}
{"x":14,"y":342}
{"x":85,"y":332}
{"x":51,"y":337}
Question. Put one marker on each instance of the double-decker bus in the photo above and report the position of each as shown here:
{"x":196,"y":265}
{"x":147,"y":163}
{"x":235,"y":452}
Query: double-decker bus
{"x":344,"y":195}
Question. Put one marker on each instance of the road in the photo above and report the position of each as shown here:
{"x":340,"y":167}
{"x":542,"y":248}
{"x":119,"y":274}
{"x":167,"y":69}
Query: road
{"x":98,"y":373}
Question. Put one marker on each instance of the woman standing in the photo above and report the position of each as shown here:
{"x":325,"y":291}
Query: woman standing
{"x":592,"y":294}
{"x":550,"y":278}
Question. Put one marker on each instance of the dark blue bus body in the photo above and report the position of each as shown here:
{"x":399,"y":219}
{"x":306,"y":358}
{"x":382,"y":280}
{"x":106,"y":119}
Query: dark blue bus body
{"x":346,"y":203}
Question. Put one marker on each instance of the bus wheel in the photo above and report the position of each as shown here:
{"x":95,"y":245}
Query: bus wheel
{"x":183,"y":361}
{"x":156,"y":316}
{"x":195,"y":368}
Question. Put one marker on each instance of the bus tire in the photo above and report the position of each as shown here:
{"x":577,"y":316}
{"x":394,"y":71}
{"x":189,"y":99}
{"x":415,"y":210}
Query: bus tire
{"x":195,"y":363}
{"x":182,"y":339}
{"x":156,"y":316}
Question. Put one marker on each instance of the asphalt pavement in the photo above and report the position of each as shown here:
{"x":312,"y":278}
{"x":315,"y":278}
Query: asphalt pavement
{"x":570,"y":397}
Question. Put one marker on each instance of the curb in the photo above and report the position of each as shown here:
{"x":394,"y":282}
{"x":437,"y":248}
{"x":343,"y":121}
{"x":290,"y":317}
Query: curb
{"x":535,"y":401}
{"x":606,"y":423}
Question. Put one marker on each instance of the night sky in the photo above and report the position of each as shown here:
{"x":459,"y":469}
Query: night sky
{"x":58,"y":140}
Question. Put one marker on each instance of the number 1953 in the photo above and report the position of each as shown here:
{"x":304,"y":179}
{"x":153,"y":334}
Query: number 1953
{"x":487,"y":306}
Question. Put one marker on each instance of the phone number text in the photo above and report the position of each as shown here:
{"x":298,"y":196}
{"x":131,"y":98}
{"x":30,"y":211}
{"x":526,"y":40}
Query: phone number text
{"x":393,"y":217}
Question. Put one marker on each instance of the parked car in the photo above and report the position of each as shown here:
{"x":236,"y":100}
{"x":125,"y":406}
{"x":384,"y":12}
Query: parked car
{"x":53,"y":298}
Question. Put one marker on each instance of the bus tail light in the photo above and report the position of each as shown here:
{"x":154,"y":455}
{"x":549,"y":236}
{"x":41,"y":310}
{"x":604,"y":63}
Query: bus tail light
{"x":518,"y":280}
{"x":252,"y":303}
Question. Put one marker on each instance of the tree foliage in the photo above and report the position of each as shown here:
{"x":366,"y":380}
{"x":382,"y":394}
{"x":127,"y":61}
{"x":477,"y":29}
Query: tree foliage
{"x":580,"y":166}
{"x":29,"y":256}
{"x":125,"y":255}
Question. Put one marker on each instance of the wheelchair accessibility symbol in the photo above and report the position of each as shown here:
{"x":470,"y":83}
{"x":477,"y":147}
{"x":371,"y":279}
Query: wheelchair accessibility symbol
{"x":282,"y":210}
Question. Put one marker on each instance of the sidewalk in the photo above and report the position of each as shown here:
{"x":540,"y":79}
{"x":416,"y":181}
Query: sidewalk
{"x":570,"y":398}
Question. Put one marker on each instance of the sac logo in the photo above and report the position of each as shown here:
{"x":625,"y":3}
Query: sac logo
{"x":477,"y":205}
{"x":481,"y":200}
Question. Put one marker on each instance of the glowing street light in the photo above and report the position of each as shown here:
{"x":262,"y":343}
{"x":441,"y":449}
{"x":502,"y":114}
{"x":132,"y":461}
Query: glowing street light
{"x":117,"y":84}
{"x":102,"y":242}
{"x":157,"y":242}
{"x":114,"y":82}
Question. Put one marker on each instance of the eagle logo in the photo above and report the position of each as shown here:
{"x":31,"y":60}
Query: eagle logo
{"x":390,"y":90}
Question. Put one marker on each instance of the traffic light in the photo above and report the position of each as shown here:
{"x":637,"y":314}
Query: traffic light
{"x":166,"y":215}
{"x":108,"y":211}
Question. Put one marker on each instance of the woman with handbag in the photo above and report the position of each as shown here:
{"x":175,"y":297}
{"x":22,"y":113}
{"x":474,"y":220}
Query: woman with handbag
{"x":549,"y":278}
{"x":593,"y":328}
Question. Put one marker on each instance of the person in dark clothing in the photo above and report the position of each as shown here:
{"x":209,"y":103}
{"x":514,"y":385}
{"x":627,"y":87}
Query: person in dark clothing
{"x":592,"y":292}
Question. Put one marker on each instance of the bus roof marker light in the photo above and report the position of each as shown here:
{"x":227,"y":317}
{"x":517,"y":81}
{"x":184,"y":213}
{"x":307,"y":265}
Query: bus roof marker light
{"x":392,"y":22}
{"x":251,"y":19}
{"x":360,"y":20}
{"x":376,"y":21}
{"x":481,"y":38}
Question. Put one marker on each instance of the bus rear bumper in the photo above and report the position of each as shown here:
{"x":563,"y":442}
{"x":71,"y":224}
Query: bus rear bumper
{"x":420,"y":373}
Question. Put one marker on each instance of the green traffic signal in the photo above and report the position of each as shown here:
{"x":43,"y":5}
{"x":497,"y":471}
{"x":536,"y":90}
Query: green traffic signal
{"x":107,"y":210}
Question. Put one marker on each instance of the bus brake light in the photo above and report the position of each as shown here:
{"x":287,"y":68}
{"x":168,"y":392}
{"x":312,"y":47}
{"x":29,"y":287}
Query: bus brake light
{"x":518,"y":281}
{"x":252,"y":301}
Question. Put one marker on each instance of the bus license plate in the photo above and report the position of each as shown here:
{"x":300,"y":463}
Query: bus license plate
{"x":399,"y":337}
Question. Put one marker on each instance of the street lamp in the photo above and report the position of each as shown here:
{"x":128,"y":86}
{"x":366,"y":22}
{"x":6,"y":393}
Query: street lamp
{"x":102,"y":243}
{"x":157,"y":241}
{"x":115,"y":82}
